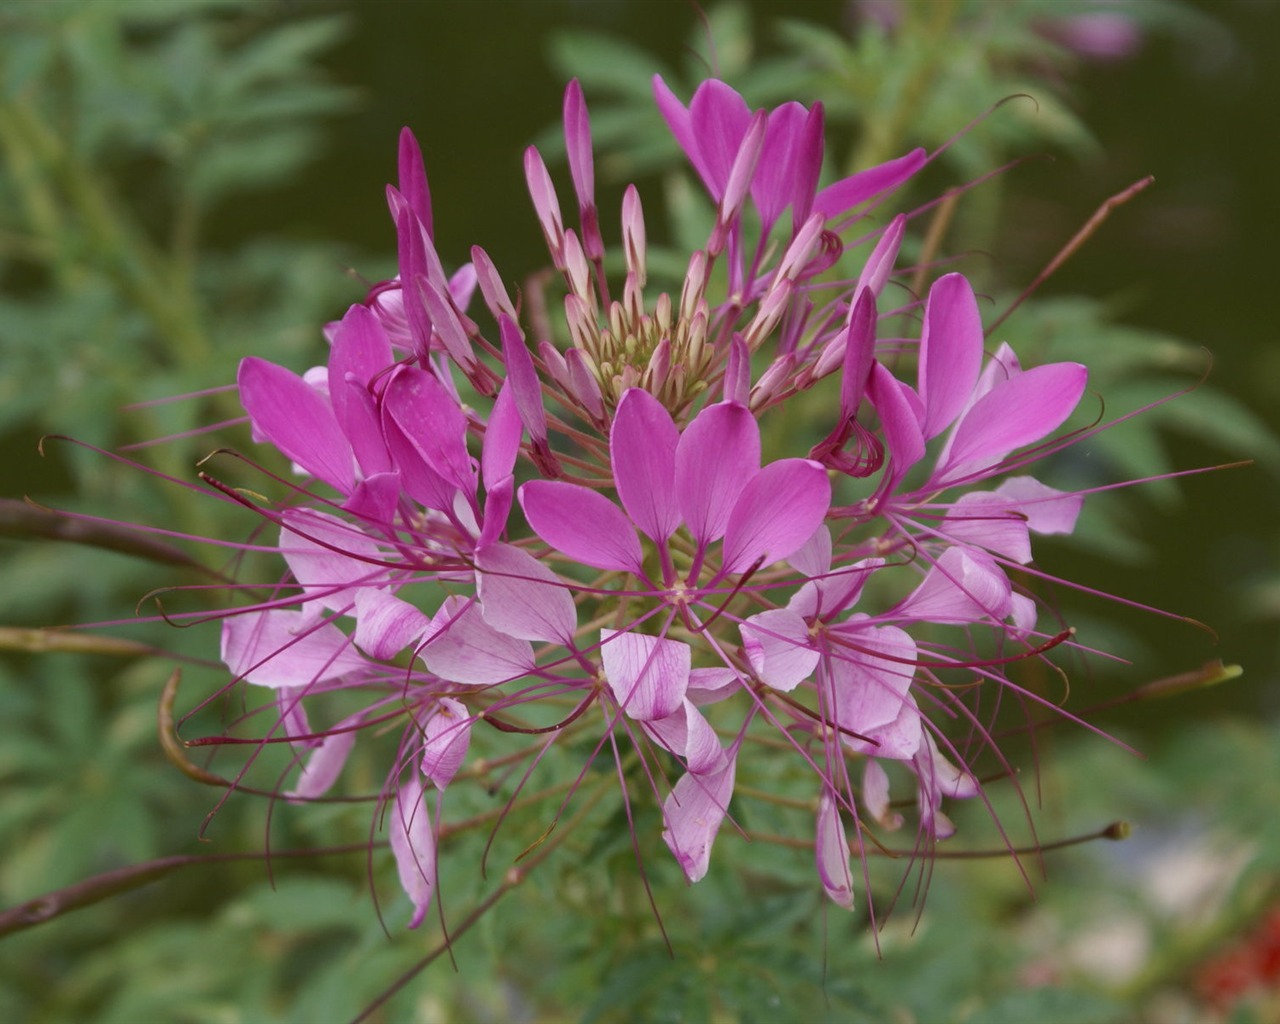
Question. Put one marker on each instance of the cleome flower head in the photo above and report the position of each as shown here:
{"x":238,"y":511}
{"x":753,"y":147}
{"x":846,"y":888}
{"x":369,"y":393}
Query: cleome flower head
{"x":568,"y":518}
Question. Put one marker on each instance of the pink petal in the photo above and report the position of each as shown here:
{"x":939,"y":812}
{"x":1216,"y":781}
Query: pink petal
{"x":291,"y":415}
{"x":693,"y":814}
{"x":875,"y":796}
{"x":521,"y":597}
{"x":778,"y":646}
{"x":280,"y":648}
{"x":1018,"y":412}
{"x":950,"y":352}
{"x":712,"y":685}
{"x":642,"y":445}
{"x":838,"y":199}
{"x":522,"y":378}
{"x":648,"y":675}
{"x":465,"y":649}
{"x":447,"y":736}
{"x":414,"y":846}
{"x":581,"y":523}
{"x":831,"y":849}
{"x":717,"y":454}
{"x":776,"y":513}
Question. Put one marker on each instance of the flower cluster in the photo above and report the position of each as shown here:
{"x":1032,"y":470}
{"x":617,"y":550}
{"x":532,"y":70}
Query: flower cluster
{"x":577,"y":514}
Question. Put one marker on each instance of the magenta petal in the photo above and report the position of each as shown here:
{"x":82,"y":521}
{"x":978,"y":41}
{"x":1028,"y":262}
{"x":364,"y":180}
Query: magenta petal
{"x":718,"y":117}
{"x":414,"y":846}
{"x":677,"y":117}
{"x":280,"y":648}
{"x":950,"y":352}
{"x":295,"y":418}
{"x":501,"y":439}
{"x":446,"y":738}
{"x":844,"y":195}
{"x":432,"y":423}
{"x":642,"y":444}
{"x":774,"y":186}
{"x":521,"y":597}
{"x":717,"y":454}
{"x":581,"y":523}
{"x":901,"y":425}
{"x":779,"y":648}
{"x":386,"y":625}
{"x":463,"y":648}
{"x":648,"y":675}
{"x":693,"y":814}
{"x":359,"y":352}
{"x":831,"y":849}
{"x":497,"y":509}
{"x":776,"y":514}
{"x":413,"y":179}
{"x":522,"y":378}
{"x":1018,"y":412}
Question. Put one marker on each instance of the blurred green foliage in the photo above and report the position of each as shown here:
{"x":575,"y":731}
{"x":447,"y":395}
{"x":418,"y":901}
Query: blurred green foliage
{"x":126,"y":130}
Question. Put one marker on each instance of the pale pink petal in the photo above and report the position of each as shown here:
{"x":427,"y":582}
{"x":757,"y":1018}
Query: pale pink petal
{"x":693,"y":814}
{"x":332,"y":559}
{"x":291,"y":415}
{"x":413,"y":843}
{"x":950,"y":352}
{"x":875,"y":796}
{"x":712,"y":685}
{"x":717,"y":454}
{"x":326,"y":762}
{"x":688,"y":735}
{"x":778,"y":646}
{"x":831,"y":850}
{"x":648,"y":675}
{"x":642,"y":445}
{"x":293,"y":717}
{"x":776,"y":513}
{"x":1047,"y":510}
{"x":463,"y":648}
{"x":581,"y":523}
{"x":986,"y":520}
{"x":280,"y":648}
{"x":963,"y":586}
{"x":447,"y":736}
{"x":813,"y":557}
{"x":844,"y":195}
{"x":386,"y":625}
{"x":523,"y":598}
{"x":1018,"y":412}
{"x":869,"y":682}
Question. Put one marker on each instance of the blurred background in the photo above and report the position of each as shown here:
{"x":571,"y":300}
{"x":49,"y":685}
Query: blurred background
{"x":185,"y":184}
